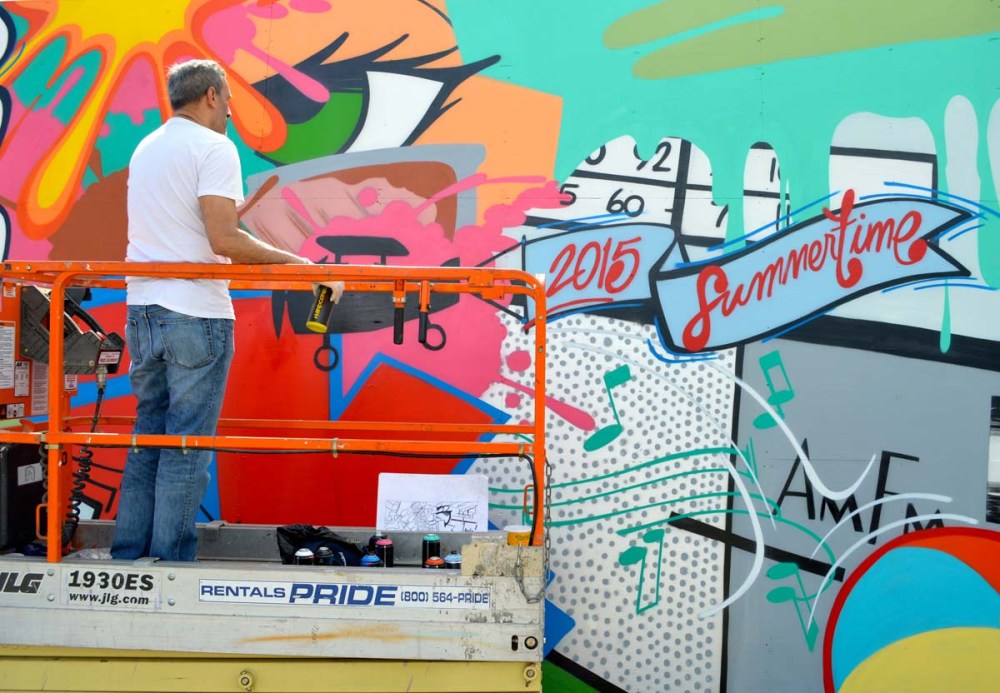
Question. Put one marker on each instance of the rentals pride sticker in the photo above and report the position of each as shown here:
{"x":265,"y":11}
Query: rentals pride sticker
{"x":342,"y":594}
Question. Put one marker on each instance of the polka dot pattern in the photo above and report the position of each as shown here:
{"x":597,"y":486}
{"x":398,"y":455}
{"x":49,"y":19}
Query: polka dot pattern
{"x":632,"y":583}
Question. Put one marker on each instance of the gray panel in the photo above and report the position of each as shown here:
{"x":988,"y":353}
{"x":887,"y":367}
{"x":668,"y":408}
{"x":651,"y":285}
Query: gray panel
{"x":847,"y":405}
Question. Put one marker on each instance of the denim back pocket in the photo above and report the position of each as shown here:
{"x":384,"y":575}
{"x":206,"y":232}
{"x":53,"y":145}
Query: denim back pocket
{"x":132,"y":340}
{"x":188,"y":341}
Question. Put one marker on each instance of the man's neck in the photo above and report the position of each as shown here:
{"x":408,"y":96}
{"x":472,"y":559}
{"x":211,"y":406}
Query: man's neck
{"x":187,"y":116}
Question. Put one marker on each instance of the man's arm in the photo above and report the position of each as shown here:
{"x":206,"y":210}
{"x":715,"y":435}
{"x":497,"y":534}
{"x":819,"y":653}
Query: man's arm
{"x":228,"y":239}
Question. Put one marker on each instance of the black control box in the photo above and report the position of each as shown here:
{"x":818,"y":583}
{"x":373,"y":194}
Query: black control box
{"x":21,"y":491}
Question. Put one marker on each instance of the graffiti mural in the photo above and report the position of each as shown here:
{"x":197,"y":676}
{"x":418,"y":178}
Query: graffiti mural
{"x":771,"y":248}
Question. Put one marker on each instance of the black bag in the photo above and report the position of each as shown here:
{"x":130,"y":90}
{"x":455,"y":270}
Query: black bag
{"x":291,"y":538}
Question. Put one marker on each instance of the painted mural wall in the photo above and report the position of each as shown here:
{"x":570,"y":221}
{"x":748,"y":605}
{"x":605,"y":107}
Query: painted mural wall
{"x":772,"y":242}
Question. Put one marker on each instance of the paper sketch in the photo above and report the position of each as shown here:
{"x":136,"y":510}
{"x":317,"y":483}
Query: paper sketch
{"x":433,"y":502}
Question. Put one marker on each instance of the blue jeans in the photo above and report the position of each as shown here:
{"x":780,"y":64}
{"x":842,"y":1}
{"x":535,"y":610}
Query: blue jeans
{"x":179,"y":368}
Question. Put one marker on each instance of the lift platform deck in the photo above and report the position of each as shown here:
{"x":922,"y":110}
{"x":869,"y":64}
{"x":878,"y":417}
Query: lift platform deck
{"x":238,"y":619}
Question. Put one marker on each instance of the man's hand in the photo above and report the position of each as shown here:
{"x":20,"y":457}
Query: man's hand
{"x":336,"y":287}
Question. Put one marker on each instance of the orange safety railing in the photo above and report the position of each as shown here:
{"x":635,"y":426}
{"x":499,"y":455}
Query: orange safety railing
{"x":490,"y":284}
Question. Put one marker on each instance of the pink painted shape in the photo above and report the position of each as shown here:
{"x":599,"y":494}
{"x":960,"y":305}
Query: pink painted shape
{"x":31,"y":133}
{"x":232,"y":29}
{"x":228,"y":30}
{"x":519,"y":360}
{"x":398,"y":218}
{"x":301,"y":81}
{"x":136,"y":93}
{"x":571,"y":414}
{"x":298,"y":214}
{"x":269,"y":9}
{"x":511,"y":400}
{"x":368,"y":196}
{"x":23,"y":248}
{"x":317,"y":6}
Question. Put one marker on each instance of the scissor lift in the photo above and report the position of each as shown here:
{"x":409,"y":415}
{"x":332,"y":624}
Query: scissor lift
{"x":239,"y":620}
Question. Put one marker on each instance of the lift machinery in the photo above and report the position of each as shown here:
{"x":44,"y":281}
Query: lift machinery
{"x":238,"y":619}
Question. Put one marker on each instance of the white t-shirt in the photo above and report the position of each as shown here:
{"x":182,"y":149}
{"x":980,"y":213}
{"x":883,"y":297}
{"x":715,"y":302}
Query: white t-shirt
{"x":171,"y":168}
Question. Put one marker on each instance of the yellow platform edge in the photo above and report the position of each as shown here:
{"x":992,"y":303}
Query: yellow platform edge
{"x":57,"y":670}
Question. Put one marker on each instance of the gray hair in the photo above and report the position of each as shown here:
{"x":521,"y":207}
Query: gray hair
{"x":188,"y":81}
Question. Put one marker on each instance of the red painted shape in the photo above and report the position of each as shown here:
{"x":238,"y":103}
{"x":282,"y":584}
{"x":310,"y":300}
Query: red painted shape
{"x":318,"y":488}
{"x":979,"y":548}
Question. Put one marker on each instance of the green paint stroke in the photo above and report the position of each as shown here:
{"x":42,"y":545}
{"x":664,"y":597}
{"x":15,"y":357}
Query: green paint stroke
{"x":123,"y":137}
{"x":323,"y":134}
{"x":558,"y":679}
{"x":700,"y":36}
{"x":632,"y":487}
{"x":650,"y":506}
{"x":628,"y":470}
{"x":696,"y":452}
{"x":622,"y":489}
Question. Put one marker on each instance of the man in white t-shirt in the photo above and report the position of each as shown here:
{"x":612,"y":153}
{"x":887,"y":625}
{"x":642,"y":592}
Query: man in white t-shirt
{"x":184,"y":186}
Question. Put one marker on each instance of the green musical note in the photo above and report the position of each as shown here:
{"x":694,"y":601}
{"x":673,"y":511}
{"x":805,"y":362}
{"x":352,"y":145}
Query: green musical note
{"x":777,"y":397}
{"x":638,"y":554}
{"x":784,"y":593}
{"x":605,"y":435}
{"x":780,"y":571}
{"x":750,"y":454}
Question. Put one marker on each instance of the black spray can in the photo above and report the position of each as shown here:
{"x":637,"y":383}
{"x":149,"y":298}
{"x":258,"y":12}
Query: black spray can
{"x":431,"y":546}
{"x":453,"y":561}
{"x":304,"y":557}
{"x":324,"y":556}
{"x":383,"y":549}
{"x":319,"y":314}
{"x":372,"y":539}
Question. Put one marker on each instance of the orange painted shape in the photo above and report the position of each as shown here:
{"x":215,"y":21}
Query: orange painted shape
{"x":498,"y":115}
{"x":979,"y":549}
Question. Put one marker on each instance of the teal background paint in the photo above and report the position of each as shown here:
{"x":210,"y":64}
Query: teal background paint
{"x":794,"y":105}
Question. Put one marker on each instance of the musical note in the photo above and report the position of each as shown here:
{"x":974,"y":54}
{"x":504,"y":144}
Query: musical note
{"x":750,"y":454}
{"x":784,"y":593}
{"x":638,"y":554}
{"x":777,"y":397}
{"x":604,"y":436}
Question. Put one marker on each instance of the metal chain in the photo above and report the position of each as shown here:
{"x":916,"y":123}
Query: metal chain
{"x":547,"y":526}
{"x":546,"y":544}
{"x":43,"y":457}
